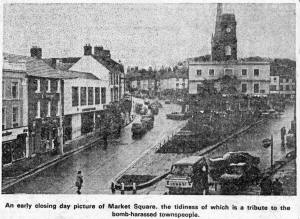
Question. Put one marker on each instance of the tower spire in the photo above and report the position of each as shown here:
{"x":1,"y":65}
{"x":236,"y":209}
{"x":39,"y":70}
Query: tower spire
{"x":218,"y":19}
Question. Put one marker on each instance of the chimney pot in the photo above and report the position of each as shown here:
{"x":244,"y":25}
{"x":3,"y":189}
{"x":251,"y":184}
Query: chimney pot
{"x":36,"y":52}
{"x":87,"y":50}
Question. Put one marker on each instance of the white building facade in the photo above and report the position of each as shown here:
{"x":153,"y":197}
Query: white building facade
{"x":254,"y":77}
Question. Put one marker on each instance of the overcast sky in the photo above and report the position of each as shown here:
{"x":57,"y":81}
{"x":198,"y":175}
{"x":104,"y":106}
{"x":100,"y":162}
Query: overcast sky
{"x":146,"y":34}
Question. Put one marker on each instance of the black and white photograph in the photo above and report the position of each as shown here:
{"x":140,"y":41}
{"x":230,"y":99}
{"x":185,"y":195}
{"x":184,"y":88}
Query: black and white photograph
{"x":149,"y":99}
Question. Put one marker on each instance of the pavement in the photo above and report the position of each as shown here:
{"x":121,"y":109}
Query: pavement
{"x":98,"y":166}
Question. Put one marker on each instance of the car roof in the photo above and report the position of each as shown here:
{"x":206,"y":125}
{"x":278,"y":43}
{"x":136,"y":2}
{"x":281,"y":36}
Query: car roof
{"x":189,"y":160}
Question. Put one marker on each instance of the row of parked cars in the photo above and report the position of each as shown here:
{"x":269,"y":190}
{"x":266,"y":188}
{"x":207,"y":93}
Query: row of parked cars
{"x":233,"y":171}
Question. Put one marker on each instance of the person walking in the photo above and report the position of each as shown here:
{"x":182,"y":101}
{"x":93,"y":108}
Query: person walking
{"x":277,"y":187}
{"x":79,"y":182}
{"x":266,"y":186}
{"x":283,"y":133}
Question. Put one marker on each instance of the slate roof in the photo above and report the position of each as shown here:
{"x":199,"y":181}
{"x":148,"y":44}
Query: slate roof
{"x":109,"y":63}
{"x":34,"y":67}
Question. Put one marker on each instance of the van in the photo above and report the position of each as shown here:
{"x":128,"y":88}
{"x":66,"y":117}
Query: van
{"x":188,"y":176}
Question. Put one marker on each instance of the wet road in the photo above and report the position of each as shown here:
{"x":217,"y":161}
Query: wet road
{"x":97,"y":165}
{"x":249,"y":141}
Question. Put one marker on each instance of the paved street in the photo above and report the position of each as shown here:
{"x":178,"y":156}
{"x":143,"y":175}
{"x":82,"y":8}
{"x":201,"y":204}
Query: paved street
{"x":249,"y":141}
{"x":98,"y":166}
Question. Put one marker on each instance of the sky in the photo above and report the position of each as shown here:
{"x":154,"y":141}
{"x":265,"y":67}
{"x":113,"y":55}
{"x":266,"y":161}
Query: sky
{"x":146,"y":34}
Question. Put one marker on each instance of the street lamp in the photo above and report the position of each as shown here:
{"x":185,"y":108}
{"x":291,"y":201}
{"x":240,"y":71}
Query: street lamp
{"x":267,"y":143}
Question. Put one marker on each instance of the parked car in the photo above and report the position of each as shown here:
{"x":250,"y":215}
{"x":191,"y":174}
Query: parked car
{"x":219,"y":165}
{"x":237,"y":177}
{"x":138,"y":128}
{"x":188,"y":176}
{"x":177,"y":116}
{"x":148,"y":121}
{"x":151,"y":116}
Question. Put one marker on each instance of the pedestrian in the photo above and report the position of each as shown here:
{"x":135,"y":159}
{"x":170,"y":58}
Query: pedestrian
{"x":266,"y":186}
{"x":277,"y":187}
{"x":283,"y":132}
{"x":79,"y":182}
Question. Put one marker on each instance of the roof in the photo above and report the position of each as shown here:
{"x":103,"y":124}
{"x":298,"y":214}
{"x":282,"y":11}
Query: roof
{"x":34,"y":67}
{"x":109,"y":63}
{"x":189,"y":160}
{"x":77,"y":74}
{"x":230,"y":62}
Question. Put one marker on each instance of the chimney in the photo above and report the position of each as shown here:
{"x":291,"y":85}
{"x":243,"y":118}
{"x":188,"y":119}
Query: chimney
{"x":98,"y":50}
{"x":87,"y":50}
{"x":36,"y":52}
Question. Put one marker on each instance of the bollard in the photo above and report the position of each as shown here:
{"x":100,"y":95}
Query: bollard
{"x":134,"y":188}
{"x":113,"y":188}
{"x":122,"y":189}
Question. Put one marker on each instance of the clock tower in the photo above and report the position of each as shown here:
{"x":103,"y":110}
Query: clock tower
{"x":224,"y":41}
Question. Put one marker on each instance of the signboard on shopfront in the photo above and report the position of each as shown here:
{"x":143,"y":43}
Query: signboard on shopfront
{"x":11,"y":134}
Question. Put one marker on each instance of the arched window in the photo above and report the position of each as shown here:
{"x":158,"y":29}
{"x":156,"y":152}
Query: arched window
{"x":227,"y":50}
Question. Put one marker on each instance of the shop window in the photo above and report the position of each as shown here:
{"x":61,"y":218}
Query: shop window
{"x":199,"y":72}
{"x":90,"y":96}
{"x":272,"y":87}
{"x":244,"y":88}
{"x":75,"y":96}
{"x":111,"y":94}
{"x":256,"y":88}
{"x":83,"y":96}
{"x":15,"y":116}
{"x":287,"y":87}
{"x":97,"y":95}
{"x":14,"y":90}
{"x":103,"y":95}
{"x":256,"y":72}
{"x":3,"y":118}
{"x":211,"y":72}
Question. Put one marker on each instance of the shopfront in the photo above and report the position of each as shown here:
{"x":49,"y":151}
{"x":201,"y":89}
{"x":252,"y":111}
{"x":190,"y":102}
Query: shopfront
{"x":87,"y":122}
{"x":14,"y":144}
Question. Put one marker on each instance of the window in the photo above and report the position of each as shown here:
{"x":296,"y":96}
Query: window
{"x":75,"y":96}
{"x":244,"y":72}
{"x":281,"y":87}
{"x":103,"y":95}
{"x":15,"y":116}
{"x":274,"y":79}
{"x":199,"y":72}
{"x":227,"y":50}
{"x":293,"y":87}
{"x":83,"y":96}
{"x":111,"y":94}
{"x":199,"y":88}
{"x":211,"y":72}
{"x":287,"y":87}
{"x":14,"y":90}
{"x":256,"y":88}
{"x":49,"y":108}
{"x":38,"y":109}
{"x":97,"y":95}
{"x":3,"y":118}
{"x":48,"y":86}
{"x":256,"y":72}
{"x":244,"y":88}
{"x":90,"y":96}
{"x":183,"y":85}
{"x":228,"y":71}
{"x":262,"y":91}
{"x":37,"y":83}
{"x":272,"y":87}
{"x":177,"y":85}
{"x":281,"y":80}
{"x":58,"y":86}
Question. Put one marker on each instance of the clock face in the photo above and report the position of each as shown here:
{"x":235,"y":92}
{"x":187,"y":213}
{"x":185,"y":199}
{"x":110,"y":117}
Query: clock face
{"x":228,"y":29}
